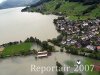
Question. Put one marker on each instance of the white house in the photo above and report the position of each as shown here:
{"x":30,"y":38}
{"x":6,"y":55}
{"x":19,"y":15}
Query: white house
{"x":85,"y":24}
{"x":42,"y":54}
{"x":90,"y":47}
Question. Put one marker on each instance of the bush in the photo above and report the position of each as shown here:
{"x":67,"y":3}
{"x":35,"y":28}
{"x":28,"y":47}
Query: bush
{"x":60,"y":73}
{"x":61,"y":50}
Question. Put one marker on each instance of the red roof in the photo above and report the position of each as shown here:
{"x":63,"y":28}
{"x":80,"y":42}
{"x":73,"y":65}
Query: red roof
{"x":97,"y":67}
{"x":98,"y":47}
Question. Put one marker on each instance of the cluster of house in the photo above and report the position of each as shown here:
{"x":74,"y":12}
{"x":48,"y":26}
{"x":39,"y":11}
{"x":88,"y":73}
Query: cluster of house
{"x":80,"y":32}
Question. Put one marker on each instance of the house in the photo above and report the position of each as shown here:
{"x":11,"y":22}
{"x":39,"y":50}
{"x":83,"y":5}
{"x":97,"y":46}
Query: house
{"x":85,"y":24}
{"x":69,"y":39}
{"x":90,"y":36}
{"x":78,"y":45}
{"x":63,"y":42}
{"x":90,"y":47}
{"x":85,"y":37}
{"x":41,"y":54}
{"x":62,"y":28}
{"x":73,"y":41}
{"x":98,"y":48}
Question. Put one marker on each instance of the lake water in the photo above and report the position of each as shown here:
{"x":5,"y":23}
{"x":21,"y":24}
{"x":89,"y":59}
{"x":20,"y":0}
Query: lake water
{"x":16,"y":25}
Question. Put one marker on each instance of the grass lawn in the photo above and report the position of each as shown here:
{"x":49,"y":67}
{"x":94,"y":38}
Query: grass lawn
{"x":89,"y":62}
{"x":17,"y":49}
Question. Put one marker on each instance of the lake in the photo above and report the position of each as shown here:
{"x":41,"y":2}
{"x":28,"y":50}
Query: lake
{"x":16,"y":25}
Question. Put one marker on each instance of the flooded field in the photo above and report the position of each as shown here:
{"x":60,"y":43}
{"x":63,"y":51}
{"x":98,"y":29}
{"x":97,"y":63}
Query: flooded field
{"x":22,"y":65}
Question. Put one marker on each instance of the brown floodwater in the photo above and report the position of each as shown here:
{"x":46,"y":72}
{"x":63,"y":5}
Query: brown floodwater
{"x":16,"y":25}
{"x":22,"y":65}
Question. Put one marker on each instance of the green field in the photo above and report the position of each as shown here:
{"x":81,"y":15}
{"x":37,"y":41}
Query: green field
{"x":72,"y":9}
{"x":22,"y":48}
{"x":91,"y":62}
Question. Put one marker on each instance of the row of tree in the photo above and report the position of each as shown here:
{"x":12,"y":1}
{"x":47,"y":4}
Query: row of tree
{"x":33,"y":40}
{"x":11,"y":43}
{"x":43,"y":44}
{"x":89,"y":9}
{"x":76,"y":51}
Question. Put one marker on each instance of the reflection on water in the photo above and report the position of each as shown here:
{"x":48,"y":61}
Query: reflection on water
{"x":16,"y":25}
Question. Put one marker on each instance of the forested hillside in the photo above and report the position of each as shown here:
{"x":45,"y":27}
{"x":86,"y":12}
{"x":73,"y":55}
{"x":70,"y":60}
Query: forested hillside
{"x":75,"y":9}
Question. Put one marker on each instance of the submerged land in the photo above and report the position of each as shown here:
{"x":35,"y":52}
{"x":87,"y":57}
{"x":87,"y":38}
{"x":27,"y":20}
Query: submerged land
{"x":78,"y":26}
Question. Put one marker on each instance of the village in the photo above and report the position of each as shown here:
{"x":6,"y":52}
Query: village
{"x":81,"y":34}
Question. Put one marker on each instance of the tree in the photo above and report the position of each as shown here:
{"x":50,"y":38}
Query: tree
{"x":58,"y":66}
{"x":55,"y":41}
{"x":44,"y":45}
{"x":61,"y":50}
{"x":59,"y":38}
{"x":51,"y":48}
{"x":27,"y":40}
{"x":32,"y":39}
{"x":20,"y":41}
{"x":58,"y":6}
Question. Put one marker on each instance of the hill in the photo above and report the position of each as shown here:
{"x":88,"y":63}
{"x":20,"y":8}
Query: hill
{"x":75,"y":9}
{"x":16,"y":3}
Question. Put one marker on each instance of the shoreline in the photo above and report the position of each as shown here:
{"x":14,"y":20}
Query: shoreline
{"x":48,"y":56}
